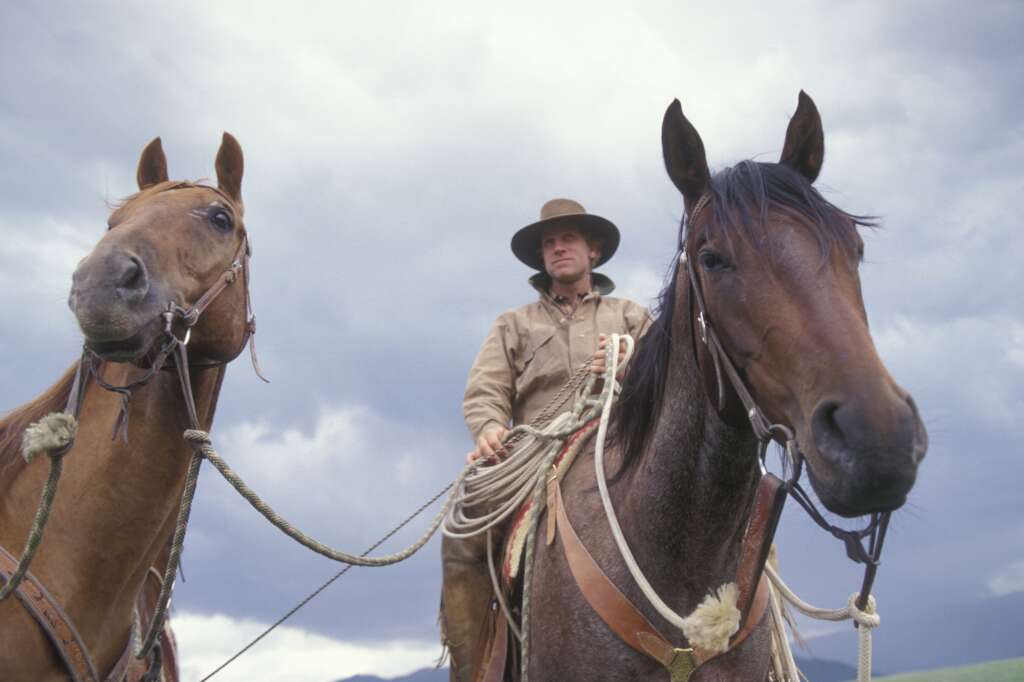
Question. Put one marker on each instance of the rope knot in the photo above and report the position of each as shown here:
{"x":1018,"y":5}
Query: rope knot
{"x":53,"y":434}
{"x":868,"y":618}
{"x":197,"y":438}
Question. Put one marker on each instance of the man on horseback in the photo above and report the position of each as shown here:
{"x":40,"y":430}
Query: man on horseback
{"x":531,"y":352}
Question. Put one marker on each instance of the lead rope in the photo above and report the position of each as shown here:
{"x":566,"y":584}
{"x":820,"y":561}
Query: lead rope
{"x":574,"y":382}
{"x":312,"y":595}
{"x":202,"y":448}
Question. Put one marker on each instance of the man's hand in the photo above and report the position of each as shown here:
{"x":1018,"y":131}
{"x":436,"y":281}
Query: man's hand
{"x":598,"y":366}
{"x":488,"y":446}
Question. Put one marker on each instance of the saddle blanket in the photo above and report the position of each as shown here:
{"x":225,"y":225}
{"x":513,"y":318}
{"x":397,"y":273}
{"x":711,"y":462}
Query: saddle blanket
{"x":515,"y":537}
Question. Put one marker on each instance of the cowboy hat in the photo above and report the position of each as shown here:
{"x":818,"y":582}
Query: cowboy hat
{"x":526,"y":242}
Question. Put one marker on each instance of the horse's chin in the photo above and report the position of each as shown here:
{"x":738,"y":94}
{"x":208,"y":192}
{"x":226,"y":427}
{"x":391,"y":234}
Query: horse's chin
{"x":855,"y":494}
{"x":841,"y":507}
{"x":137,"y":348}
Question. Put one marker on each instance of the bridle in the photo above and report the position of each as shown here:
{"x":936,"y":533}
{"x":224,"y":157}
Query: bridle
{"x":874,"y":532}
{"x":172,"y":347}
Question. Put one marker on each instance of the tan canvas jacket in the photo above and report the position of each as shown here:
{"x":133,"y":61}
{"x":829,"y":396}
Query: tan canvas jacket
{"x":533,"y":350}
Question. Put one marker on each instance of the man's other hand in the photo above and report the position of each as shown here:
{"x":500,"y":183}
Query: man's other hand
{"x":598,"y":366}
{"x":488,"y":446}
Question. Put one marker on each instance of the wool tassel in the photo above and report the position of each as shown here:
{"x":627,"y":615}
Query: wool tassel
{"x":53,"y":433}
{"x":714,"y":621}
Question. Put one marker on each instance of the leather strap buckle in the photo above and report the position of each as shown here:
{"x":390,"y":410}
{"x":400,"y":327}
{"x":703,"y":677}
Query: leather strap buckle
{"x":682,"y":665}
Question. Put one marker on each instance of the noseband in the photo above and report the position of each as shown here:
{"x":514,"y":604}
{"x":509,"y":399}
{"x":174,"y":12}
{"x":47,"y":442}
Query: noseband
{"x":765,"y":431}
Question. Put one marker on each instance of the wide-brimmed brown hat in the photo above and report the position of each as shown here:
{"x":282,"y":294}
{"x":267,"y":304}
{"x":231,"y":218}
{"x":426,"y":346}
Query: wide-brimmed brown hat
{"x":526,"y":242}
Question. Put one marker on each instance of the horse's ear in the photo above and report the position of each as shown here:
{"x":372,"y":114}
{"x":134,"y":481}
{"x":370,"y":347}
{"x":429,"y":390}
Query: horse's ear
{"x":229,"y":167}
{"x":685,"y":161}
{"x":152,"y":165}
{"x":804,"y":150}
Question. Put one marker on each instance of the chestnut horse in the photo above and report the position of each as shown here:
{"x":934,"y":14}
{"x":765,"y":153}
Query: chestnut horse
{"x":778,"y":268}
{"x":115,"y":507}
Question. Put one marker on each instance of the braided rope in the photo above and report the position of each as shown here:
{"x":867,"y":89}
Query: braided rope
{"x":202,"y":448}
{"x":156,"y":625}
{"x":54,"y":435}
{"x":200,"y":440}
{"x":312,"y":595}
{"x":35,"y":536}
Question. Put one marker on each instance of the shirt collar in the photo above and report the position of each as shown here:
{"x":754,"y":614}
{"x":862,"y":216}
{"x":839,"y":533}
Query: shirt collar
{"x":601,"y":285}
{"x":563,"y":300}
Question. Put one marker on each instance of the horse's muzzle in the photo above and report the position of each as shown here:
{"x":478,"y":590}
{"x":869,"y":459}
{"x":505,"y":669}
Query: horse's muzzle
{"x":116,"y":303}
{"x":870,"y":450}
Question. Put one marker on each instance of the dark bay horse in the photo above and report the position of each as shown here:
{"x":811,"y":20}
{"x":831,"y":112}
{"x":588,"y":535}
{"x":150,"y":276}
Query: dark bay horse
{"x":115,"y":507}
{"x":778,"y":267}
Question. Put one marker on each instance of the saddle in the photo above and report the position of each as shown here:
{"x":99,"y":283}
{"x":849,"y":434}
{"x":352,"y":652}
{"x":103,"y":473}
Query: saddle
{"x":515,"y":535}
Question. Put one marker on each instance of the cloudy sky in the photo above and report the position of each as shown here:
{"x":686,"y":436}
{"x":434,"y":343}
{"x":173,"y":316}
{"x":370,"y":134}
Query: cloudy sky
{"x":391,"y":150}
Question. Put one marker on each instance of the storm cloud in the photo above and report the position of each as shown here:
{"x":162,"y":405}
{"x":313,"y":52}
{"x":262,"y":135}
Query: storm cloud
{"x":391,"y":151}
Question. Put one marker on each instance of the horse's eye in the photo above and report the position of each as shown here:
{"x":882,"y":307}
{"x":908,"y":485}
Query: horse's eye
{"x":712,"y":262}
{"x":221,"y":219}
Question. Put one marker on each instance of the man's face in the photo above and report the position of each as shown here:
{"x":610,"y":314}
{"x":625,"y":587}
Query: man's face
{"x":567,"y":253}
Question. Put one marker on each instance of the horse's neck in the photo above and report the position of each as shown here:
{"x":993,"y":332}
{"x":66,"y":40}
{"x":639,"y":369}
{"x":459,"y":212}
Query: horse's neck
{"x":116,"y":504}
{"x":700,"y":471}
{"x":135,"y":485}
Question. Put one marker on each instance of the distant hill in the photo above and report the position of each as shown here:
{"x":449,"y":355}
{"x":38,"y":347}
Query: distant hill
{"x":822,"y":670}
{"x":816,"y":670}
{"x":424,"y":675}
{"x":935,"y":636}
{"x":995,"y":671}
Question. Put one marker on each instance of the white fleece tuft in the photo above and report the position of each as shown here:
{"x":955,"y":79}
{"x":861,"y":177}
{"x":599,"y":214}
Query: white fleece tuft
{"x":55,"y":431}
{"x":712,"y":623}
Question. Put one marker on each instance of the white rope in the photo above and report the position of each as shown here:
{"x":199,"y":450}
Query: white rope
{"x":866,"y":620}
{"x":782,"y":655}
{"x":490,"y":494}
{"x":496,"y":492}
{"x":613,"y":521}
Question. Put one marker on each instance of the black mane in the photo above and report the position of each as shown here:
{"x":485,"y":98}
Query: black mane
{"x":742,"y":197}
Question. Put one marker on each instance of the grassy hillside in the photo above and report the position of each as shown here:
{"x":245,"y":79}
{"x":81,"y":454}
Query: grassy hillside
{"x":1010,"y":670}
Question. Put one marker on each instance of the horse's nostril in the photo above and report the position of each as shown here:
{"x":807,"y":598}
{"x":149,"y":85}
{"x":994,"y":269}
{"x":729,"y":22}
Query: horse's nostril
{"x":132,"y":281}
{"x":827,"y":427}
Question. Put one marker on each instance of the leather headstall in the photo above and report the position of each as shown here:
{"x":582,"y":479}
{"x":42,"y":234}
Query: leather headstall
{"x":172,"y":347}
